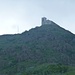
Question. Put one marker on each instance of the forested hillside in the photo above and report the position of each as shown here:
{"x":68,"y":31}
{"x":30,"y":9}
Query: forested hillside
{"x":45,"y":50}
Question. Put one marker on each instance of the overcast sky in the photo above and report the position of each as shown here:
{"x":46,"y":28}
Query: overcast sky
{"x":16,"y":16}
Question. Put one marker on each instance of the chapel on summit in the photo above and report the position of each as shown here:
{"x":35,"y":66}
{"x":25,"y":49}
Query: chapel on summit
{"x":45,"y":21}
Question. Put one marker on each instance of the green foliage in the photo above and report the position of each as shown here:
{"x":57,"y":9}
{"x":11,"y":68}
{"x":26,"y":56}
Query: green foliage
{"x":38,"y":52}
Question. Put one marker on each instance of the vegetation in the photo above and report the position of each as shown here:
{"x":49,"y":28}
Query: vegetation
{"x":44,"y":50}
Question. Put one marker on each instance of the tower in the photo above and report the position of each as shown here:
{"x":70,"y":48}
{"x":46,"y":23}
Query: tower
{"x":45,"y":21}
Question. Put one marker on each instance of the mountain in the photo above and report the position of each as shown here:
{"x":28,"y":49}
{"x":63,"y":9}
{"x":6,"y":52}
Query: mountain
{"x":45,"y":50}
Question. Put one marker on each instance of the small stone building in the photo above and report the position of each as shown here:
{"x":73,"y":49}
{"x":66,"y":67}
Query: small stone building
{"x":45,"y":21}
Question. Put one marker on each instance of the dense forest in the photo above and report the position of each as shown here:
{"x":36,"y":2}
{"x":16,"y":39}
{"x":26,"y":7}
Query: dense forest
{"x":45,"y":50}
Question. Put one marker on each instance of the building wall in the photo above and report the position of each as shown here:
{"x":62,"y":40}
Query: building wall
{"x":45,"y":21}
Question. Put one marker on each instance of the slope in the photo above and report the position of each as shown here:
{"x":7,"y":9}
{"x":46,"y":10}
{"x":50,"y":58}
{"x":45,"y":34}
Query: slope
{"x":47,"y":44}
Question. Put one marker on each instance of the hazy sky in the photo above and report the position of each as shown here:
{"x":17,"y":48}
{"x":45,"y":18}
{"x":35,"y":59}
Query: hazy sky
{"x":16,"y":16}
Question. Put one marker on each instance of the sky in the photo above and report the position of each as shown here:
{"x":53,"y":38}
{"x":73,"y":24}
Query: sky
{"x":16,"y":16}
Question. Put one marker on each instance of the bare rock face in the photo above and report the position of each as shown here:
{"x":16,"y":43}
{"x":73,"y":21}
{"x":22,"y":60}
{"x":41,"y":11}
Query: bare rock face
{"x":45,"y":21}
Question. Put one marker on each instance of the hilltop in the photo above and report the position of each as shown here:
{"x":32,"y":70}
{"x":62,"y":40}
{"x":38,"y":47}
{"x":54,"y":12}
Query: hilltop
{"x":48,"y":48}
